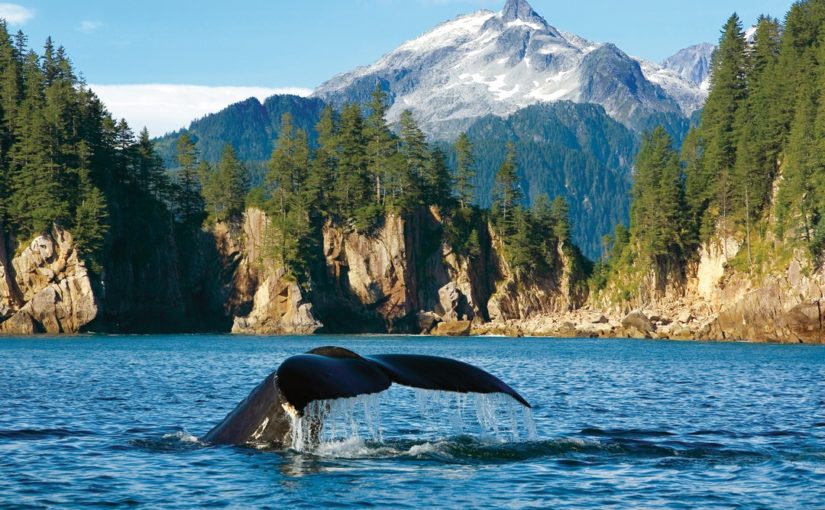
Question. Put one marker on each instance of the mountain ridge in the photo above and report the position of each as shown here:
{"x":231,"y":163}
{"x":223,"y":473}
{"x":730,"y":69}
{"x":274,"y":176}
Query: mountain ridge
{"x":499,"y":62}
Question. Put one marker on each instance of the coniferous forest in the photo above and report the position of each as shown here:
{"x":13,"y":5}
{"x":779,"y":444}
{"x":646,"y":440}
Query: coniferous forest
{"x":751,"y":170}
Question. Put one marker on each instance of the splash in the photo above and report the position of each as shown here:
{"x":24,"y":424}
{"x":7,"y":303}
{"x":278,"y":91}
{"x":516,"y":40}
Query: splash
{"x":330,"y":421}
{"x":328,"y":424}
{"x":494,"y":415}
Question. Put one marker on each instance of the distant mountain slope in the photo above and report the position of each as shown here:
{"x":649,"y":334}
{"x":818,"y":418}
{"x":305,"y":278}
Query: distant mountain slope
{"x":497,"y":63}
{"x":564,"y":149}
{"x":692,"y":63}
{"x":251,"y":128}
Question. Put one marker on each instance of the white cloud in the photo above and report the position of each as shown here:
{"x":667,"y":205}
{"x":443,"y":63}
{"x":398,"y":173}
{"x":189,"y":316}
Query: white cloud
{"x":163,"y":108}
{"x":15,"y":14}
{"x":89,"y":26}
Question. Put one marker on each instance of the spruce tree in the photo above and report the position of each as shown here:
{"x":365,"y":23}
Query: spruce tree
{"x":188,"y":201}
{"x":657,"y":214}
{"x":322,"y":173}
{"x":465,"y":170}
{"x":507,"y":193}
{"x":728,"y":92}
{"x":380,"y":144}
{"x":416,"y":186}
{"x":352,"y":184}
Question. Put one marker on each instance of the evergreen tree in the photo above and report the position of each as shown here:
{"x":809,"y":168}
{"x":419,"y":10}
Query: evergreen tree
{"x":188,"y":201}
{"x":657,"y":214}
{"x":380,"y":144}
{"x":415,"y":186}
{"x":507,"y":193}
{"x":321,"y":179}
{"x":151,"y":176}
{"x":290,"y":215}
{"x":465,"y":170}
{"x":352,"y":184}
{"x":719,"y":134}
{"x":225,"y":188}
{"x":560,"y":216}
{"x":37,"y":199}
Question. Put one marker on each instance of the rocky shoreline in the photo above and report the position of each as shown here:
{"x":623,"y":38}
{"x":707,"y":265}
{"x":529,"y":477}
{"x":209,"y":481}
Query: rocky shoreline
{"x":387,"y":283}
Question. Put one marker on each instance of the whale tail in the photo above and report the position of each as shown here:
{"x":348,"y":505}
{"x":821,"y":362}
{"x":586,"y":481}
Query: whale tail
{"x":329,"y":373}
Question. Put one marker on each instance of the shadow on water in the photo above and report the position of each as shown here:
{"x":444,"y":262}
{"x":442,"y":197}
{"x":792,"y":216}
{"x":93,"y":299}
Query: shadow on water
{"x":42,"y":434}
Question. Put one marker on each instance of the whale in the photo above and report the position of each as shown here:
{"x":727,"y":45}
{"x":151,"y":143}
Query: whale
{"x":268,"y":414}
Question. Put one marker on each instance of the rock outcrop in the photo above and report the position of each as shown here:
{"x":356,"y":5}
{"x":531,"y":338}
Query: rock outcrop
{"x":279,"y":309}
{"x":46,"y":288}
{"x":401,"y":278}
{"x":264,"y":300}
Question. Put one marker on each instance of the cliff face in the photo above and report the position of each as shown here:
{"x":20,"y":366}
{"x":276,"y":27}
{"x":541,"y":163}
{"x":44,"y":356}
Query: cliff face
{"x":713,"y":298}
{"x":45,"y":288}
{"x":400,"y":279}
{"x":526,"y":298}
{"x":262,"y":298}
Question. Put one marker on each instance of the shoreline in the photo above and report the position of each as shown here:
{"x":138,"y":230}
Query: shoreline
{"x":489,"y":331}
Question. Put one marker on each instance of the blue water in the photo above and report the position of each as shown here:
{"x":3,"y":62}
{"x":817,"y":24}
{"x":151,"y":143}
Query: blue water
{"x":113,"y":421}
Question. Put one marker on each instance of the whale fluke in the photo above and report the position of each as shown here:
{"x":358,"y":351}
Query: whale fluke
{"x":329,"y":373}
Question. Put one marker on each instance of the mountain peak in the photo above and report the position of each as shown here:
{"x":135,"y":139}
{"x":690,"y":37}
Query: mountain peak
{"x":520,"y":10}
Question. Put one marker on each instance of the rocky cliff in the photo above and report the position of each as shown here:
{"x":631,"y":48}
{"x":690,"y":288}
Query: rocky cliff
{"x":262,"y":297}
{"x":45,"y":287}
{"x":711,"y":298}
{"x":402,"y":278}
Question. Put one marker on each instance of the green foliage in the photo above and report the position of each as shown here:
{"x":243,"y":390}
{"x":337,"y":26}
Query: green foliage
{"x":507,"y":194}
{"x":187,"y":198}
{"x":249,"y":126}
{"x":465,"y":171}
{"x":754,"y":163}
{"x":224,"y":189}
{"x":657,"y":216}
{"x":575,"y":151}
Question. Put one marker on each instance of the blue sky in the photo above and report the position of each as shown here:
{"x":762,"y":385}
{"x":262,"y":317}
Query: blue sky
{"x":278,"y":43}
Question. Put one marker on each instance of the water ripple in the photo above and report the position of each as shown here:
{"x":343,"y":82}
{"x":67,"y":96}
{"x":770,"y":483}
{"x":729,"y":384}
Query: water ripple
{"x":114,"y":422}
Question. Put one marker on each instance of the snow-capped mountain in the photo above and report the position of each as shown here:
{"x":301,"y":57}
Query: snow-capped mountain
{"x":685,"y":75}
{"x":499,"y":62}
{"x":692,"y":63}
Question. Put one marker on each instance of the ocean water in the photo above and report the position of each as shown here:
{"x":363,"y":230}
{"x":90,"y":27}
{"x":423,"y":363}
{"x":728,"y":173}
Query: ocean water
{"x":114,"y":421}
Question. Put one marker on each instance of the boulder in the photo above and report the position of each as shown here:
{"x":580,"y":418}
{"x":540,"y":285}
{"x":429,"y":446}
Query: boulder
{"x":637,"y":324}
{"x":54,"y":291}
{"x":427,"y":321}
{"x":20,"y":323}
{"x":279,"y":309}
{"x":805,"y":322}
{"x":454,"y":328}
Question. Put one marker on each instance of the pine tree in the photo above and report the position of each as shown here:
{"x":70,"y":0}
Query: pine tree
{"x":507,"y":193}
{"x":728,"y":92}
{"x":320,"y":186}
{"x":560,"y":216}
{"x":188,"y":201}
{"x":465,"y":170}
{"x":150,"y":174}
{"x":225,"y":188}
{"x":288,"y":168}
{"x":36,"y":195}
{"x":415,"y":188}
{"x":353,"y":186}
{"x":380,"y":144}
{"x":657,"y":214}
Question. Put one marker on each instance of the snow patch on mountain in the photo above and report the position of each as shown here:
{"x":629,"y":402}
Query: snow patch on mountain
{"x":497,"y":63}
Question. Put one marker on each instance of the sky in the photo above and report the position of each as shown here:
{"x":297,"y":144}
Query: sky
{"x":163,"y":63}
